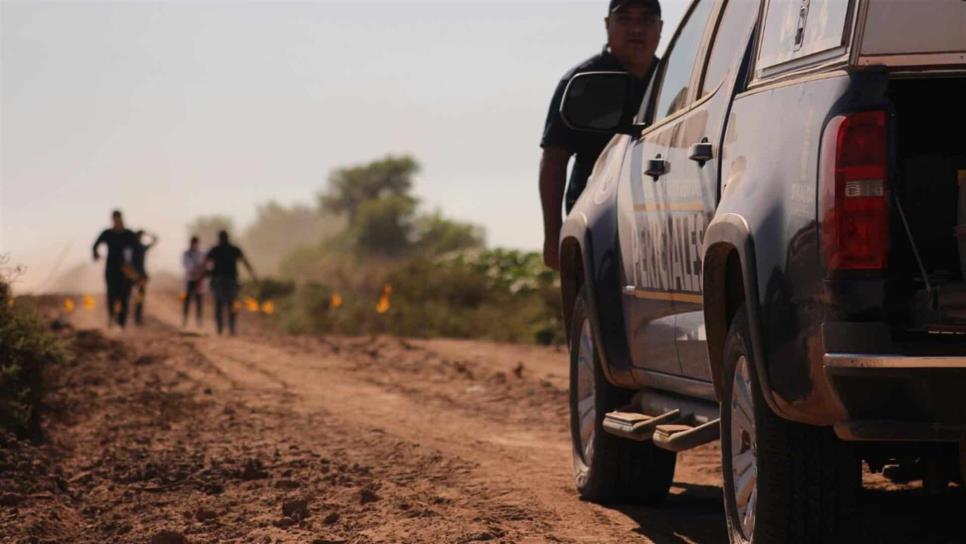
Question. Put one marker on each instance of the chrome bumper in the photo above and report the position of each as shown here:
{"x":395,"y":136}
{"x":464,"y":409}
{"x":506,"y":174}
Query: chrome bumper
{"x":834,"y":361}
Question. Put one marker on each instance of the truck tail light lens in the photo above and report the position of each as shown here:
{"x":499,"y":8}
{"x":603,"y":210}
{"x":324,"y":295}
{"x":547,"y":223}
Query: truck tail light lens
{"x":854,"y":202}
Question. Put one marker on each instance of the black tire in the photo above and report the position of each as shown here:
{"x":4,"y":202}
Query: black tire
{"x":808,"y":480}
{"x":620,"y":470}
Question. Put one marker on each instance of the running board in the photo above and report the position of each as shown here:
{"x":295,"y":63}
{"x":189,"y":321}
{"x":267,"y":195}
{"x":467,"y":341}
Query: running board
{"x":636,"y":426}
{"x":677,"y":437}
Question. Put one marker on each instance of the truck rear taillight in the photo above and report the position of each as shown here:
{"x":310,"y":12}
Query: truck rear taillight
{"x":854,"y":203}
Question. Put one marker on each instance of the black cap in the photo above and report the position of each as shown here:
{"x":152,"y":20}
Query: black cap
{"x":653,"y":5}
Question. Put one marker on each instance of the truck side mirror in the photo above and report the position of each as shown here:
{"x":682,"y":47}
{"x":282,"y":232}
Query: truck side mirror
{"x":598,"y":102}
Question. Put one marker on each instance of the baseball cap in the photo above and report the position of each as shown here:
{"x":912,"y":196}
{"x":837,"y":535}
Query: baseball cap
{"x":653,"y":5}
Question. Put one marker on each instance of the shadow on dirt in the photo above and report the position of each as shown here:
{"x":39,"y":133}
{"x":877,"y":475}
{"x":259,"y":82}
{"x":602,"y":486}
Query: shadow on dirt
{"x":894,"y":516}
{"x":694,"y":513}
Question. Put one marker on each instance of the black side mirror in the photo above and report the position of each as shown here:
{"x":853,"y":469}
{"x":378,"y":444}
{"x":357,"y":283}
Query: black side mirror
{"x":598,"y":102}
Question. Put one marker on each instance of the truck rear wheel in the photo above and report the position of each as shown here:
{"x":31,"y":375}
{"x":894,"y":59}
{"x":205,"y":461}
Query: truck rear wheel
{"x":784,"y":482}
{"x":607,"y":468}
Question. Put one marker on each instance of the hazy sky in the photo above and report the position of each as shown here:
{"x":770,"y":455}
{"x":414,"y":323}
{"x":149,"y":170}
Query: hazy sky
{"x":170,"y":110}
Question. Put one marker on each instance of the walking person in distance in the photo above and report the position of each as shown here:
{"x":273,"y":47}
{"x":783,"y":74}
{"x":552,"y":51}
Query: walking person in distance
{"x":222,"y":262}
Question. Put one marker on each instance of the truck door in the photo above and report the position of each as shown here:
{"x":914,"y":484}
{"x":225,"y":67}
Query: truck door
{"x":649,"y":312}
{"x":694,"y":165}
{"x":651,"y":299}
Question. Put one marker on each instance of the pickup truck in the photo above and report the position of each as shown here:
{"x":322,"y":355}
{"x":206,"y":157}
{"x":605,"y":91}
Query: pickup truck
{"x":772,"y":255}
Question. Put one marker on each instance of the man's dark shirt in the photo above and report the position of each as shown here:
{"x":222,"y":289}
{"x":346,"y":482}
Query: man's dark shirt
{"x":225,"y":257}
{"x":118,"y":241}
{"x":586,"y":145}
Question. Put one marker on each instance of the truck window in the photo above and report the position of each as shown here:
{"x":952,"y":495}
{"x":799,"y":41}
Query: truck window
{"x":679,"y":63}
{"x":730,"y":39}
{"x":825,"y":28}
{"x":798,"y":28}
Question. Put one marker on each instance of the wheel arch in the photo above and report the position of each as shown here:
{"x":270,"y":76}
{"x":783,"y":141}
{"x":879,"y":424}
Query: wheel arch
{"x":730,"y":281}
{"x":724,"y":294}
{"x":572,"y":278}
{"x":588,"y":262}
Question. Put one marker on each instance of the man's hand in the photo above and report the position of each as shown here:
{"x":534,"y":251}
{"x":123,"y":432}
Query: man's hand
{"x":551,"y":250}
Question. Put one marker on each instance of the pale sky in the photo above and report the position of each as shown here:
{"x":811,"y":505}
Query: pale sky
{"x":170,"y":110}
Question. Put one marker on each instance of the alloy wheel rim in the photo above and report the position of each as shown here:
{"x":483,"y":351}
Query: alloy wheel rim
{"x":744,"y":455}
{"x":586,"y":403}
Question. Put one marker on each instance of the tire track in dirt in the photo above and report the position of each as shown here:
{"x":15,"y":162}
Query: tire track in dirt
{"x":504,"y":407}
{"x":515,"y":435}
{"x":271,"y":438}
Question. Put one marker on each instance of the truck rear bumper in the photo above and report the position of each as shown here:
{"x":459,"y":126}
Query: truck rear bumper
{"x":898,"y":397}
{"x":845,"y":362}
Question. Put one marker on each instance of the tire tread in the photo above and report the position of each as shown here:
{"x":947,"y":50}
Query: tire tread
{"x":622,"y":470}
{"x":808,"y":479}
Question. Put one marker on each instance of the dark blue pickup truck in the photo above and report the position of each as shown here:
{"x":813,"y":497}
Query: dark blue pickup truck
{"x":772,"y":255}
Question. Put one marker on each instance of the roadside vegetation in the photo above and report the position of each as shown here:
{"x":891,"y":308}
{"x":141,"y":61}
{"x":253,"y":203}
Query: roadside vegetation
{"x":27,"y":347}
{"x":365,"y":258}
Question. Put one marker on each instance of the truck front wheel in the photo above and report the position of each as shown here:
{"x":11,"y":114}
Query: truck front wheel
{"x":784,"y":482}
{"x":607,"y":468}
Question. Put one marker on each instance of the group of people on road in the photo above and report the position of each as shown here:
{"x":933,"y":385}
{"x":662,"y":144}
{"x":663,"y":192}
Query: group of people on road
{"x":125,"y":271}
{"x":220,"y":266}
{"x":633,"y":32}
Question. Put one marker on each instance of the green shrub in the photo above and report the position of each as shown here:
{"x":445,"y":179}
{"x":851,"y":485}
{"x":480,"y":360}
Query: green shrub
{"x":495,"y":294}
{"x":271,"y":289}
{"x":26,"y":347}
{"x":443,"y":280}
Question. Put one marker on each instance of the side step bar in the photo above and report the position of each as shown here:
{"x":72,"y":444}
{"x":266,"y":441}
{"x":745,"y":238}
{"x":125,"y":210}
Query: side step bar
{"x":670,"y":431}
{"x":636,"y":426}
{"x":678,"y":437}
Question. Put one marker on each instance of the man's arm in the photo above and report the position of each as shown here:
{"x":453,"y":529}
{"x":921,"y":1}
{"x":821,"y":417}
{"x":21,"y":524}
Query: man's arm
{"x":248,"y":266}
{"x":553,"y":180}
{"x":100,"y":240}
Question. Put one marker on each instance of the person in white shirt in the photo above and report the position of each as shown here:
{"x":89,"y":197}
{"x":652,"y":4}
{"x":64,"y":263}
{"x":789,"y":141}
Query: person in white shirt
{"x":193,"y":261}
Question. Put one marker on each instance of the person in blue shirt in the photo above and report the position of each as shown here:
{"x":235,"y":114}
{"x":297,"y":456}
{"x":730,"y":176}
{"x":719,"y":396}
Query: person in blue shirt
{"x":193,"y":262}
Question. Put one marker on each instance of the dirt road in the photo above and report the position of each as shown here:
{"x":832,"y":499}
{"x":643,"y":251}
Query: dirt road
{"x":270,"y":438}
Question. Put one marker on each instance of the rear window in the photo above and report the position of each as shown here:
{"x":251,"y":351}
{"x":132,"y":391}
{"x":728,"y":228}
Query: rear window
{"x":798,"y":28}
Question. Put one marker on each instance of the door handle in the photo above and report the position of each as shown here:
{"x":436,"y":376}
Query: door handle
{"x":656,"y":167}
{"x":701,"y":152}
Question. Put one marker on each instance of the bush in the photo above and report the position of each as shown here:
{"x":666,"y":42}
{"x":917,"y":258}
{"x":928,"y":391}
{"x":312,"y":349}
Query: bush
{"x":271,"y":288}
{"x":26,"y":347}
{"x":443,"y":280}
{"x":498,"y":295}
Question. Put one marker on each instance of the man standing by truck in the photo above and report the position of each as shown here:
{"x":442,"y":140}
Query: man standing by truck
{"x":633,"y":32}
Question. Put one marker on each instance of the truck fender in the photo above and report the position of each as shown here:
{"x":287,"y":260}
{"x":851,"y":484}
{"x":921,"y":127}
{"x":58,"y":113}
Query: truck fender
{"x":729,"y":248}
{"x":592,"y":263}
